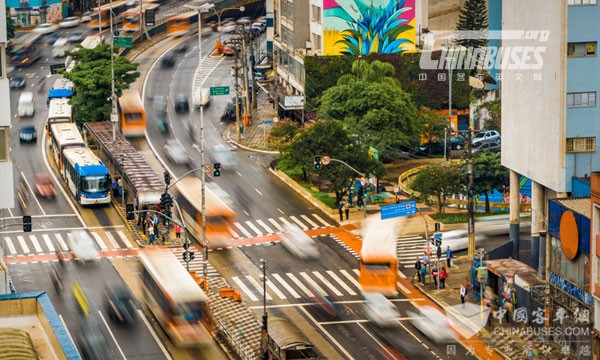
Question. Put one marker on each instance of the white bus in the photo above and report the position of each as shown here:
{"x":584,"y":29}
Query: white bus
{"x":59,"y":111}
{"x":63,"y":136}
{"x":174,"y":297}
{"x":86,"y":176}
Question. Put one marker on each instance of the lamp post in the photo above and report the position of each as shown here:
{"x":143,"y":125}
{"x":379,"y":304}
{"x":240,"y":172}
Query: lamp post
{"x":123,"y":157}
{"x":202,"y":6}
{"x":219,"y":13}
{"x":114,"y":117}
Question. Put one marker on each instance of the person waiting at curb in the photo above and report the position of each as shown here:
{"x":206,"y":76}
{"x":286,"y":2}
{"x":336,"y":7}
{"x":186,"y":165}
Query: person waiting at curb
{"x":418,"y":268}
{"x":443,"y":276}
{"x":448,"y":256}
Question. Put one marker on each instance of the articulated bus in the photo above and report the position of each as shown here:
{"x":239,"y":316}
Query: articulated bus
{"x":180,"y":25}
{"x":62,"y":137}
{"x":131,"y":17}
{"x":176,"y":300}
{"x":59,"y":111}
{"x":378,"y":258}
{"x":86,"y":176}
{"x":220,"y":218}
{"x":132,"y":114}
{"x":25,"y":50}
{"x":103,"y":21}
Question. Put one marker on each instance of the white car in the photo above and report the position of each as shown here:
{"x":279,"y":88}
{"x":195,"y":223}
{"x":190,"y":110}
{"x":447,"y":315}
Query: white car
{"x":486,"y":135}
{"x":380,"y":310}
{"x":458,"y":240}
{"x":261,"y":26}
{"x":82,"y":245}
{"x":176,"y":153}
{"x":432,"y":323}
{"x":69,"y":22}
{"x":60,"y":48}
{"x":298,"y":243}
{"x":228,"y":27}
{"x":46,"y":28}
{"x":87,"y":17}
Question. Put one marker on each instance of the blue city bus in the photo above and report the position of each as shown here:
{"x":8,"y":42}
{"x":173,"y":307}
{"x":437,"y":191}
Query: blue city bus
{"x":62,"y":89}
{"x":86,"y":176}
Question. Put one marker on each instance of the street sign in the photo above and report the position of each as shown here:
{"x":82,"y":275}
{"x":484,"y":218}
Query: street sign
{"x":207,"y":169}
{"x":219,"y":90}
{"x":268,"y":122}
{"x":123,"y":41}
{"x":399,"y":210}
{"x":325,"y":160}
{"x":150,"y":17}
{"x":482,"y":273}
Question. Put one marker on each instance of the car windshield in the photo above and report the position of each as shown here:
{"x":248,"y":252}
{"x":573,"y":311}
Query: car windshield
{"x":94,"y":183}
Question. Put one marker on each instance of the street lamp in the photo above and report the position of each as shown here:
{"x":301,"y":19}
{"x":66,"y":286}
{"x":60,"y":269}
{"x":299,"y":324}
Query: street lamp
{"x":202,"y":6}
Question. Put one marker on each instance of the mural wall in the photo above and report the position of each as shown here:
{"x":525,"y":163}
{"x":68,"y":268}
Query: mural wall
{"x":361,"y":27}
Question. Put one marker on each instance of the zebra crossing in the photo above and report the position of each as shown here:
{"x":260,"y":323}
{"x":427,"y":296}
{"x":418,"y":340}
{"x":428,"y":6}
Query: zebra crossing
{"x":49,"y":243}
{"x":197,"y":264}
{"x":294,"y":286}
{"x":247,"y":229}
{"x":407,"y":250}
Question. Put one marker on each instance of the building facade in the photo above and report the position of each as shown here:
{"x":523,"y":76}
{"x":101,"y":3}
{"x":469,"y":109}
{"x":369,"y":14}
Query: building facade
{"x":28,"y":13}
{"x":595,"y":259}
{"x":7,"y":196}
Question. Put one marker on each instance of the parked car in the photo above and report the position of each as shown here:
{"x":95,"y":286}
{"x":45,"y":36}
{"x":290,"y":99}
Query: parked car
{"x":76,"y":37}
{"x":181,"y":104}
{"x":486,"y":146}
{"x":228,"y":28}
{"x":44,"y":187}
{"x":380,"y":310}
{"x":245,"y":20}
{"x":27,"y":133}
{"x":298,"y":243}
{"x":176,"y":153}
{"x":432,"y":323}
{"x":45,"y":28}
{"x":120,"y":304}
{"x":17,"y":82}
{"x":486,"y":135}
{"x":68,"y":22}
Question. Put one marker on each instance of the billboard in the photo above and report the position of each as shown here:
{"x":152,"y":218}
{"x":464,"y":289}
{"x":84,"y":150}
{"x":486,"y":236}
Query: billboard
{"x":361,"y":27}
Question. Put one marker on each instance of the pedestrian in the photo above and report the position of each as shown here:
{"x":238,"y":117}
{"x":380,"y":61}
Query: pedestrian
{"x":423,"y":272}
{"x":150,"y":234}
{"x":425,"y":260}
{"x":396,"y":190}
{"x":448,"y":256}
{"x":115,"y":187}
{"x":359,"y":201}
{"x":418,"y":268}
{"x":135,"y":204}
{"x":397,"y":200}
{"x":177,"y":231}
{"x":142,"y":217}
{"x":443,"y":276}
{"x":341,"y":209}
{"x":120,"y":185}
{"x":155,"y":223}
{"x":434,"y":274}
{"x":350,"y":196}
{"x":463,"y":294}
{"x":347,"y":210}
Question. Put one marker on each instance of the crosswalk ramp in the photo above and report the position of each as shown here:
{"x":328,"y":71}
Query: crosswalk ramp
{"x":409,"y":248}
{"x":48,"y":243}
{"x":294,"y":286}
{"x":197,"y":264}
{"x":253,"y":228}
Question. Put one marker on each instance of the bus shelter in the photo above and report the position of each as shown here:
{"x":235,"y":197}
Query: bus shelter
{"x":129,"y":162}
{"x":287,"y":342}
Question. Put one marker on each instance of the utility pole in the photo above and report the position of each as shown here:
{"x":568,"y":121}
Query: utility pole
{"x":252,"y":36}
{"x":114,"y":117}
{"x":471,"y":200}
{"x":245,"y":75}
{"x":237,"y":96}
{"x":265,"y":317}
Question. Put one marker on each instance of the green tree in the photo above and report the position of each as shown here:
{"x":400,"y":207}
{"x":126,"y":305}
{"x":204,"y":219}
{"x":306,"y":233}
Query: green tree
{"x":439,"y":181}
{"x":332,"y":139}
{"x":472,"y":19}
{"x":92,"y":78}
{"x":434,"y":126}
{"x":488,"y":175}
{"x":10,"y":25}
{"x":374,"y":108}
{"x":282,"y":134}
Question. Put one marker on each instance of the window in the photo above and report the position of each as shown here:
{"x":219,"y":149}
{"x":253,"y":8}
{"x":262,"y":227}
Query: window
{"x":2,"y":59}
{"x":4,"y":144}
{"x":316,"y":14}
{"x":582,"y":2}
{"x":581,"y":49}
{"x":582,"y":99}
{"x":581,"y":144}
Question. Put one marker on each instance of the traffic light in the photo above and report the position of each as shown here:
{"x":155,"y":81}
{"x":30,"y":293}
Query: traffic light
{"x":167,"y":178}
{"x":192,"y":257}
{"x":27,"y":223}
{"x":186,"y":245}
{"x":188,"y":256}
{"x":217,"y":169}
{"x":318,"y":164}
{"x":129,"y":210}
{"x":163,"y":200}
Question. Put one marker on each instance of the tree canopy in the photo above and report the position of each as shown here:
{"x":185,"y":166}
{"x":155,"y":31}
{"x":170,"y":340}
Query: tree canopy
{"x":472,"y":19}
{"x":440,"y":181}
{"x":332,"y":139}
{"x":488,"y":175}
{"x":92,"y":78}
{"x":373,"y":108}
{"x":10,"y":25}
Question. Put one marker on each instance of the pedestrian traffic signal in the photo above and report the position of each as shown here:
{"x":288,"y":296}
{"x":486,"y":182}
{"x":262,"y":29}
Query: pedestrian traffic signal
{"x":27,"y":223}
{"x":217,"y":169}
{"x":129,"y":210}
{"x":317,"y":163}
{"x":167,"y":178}
{"x":186,"y":245}
{"x":192,"y":256}
{"x":163,"y":200}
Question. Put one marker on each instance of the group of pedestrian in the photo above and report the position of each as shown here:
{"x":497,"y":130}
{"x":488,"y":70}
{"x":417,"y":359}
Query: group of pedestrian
{"x":343,"y":207}
{"x":421,"y":265}
{"x":150,"y":227}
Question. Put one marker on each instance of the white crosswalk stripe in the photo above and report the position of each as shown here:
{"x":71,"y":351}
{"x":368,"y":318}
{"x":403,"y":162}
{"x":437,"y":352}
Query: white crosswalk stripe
{"x":312,"y":283}
{"x":197,"y":264}
{"x":36,"y":244}
{"x":234,"y":233}
{"x":258,"y":287}
{"x":244,"y":288}
{"x":284,"y":220}
{"x":286,"y":286}
{"x":253,"y":227}
{"x":407,"y":250}
{"x":99,"y":241}
{"x":61,"y":243}
{"x":300,"y":223}
{"x":275,"y":224}
{"x":340,"y":282}
{"x":274,"y":289}
{"x":327,"y":283}
{"x":244,"y":231}
{"x":308,"y":220}
{"x":350,"y":278}
{"x":48,"y":242}
{"x":325,"y":223}
{"x":300,"y":284}
{"x":113,"y":242}
{"x":124,"y":239}
{"x":23,"y":244}
{"x":265,"y":226}
{"x":10,"y":246}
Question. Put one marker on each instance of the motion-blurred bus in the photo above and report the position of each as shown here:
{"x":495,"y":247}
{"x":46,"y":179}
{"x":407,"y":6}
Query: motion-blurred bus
{"x":59,"y":111}
{"x":86,"y":176}
{"x":220,"y":218}
{"x":378,"y":258}
{"x":131,"y":17}
{"x":89,"y":42}
{"x":176,"y":300}
{"x":180,"y":25}
{"x":132,"y":114}
{"x":63,"y":136}
{"x":25,"y":50}
{"x":100,"y":18}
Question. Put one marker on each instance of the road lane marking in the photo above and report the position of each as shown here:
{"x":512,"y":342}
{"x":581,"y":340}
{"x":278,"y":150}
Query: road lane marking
{"x":327,"y":283}
{"x":284,"y":220}
{"x":111,"y":334}
{"x":286,"y":286}
{"x":112,"y":240}
{"x":239,"y":226}
{"x":339,"y":281}
{"x":124,"y":239}
{"x":329,"y":336}
{"x":403,"y":288}
{"x":308,"y":220}
{"x":384,"y":348}
{"x":99,"y":241}
{"x":10,"y":245}
{"x":156,"y":339}
{"x":61,"y":242}
{"x":66,"y":328}
{"x":233,"y":233}
{"x":275,"y":289}
{"x":300,"y":285}
{"x":244,"y":288}
{"x":300,"y":223}
{"x":325,"y":223}
{"x":351,"y":278}
{"x":48,"y":242}
{"x":254,"y":228}
{"x":314,"y":284}
{"x":265,"y":226}
{"x":32,"y":193}
{"x":274,"y":222}
{"x":356,"y":271}
{"x":36,"y":244}
{"x":23,"y":244}
{"x":258,"y":287}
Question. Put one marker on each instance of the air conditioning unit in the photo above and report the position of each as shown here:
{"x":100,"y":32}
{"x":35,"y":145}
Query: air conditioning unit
{"x":319,"y":52}
{"x":308,"y":45}
{"x":301,"y":51}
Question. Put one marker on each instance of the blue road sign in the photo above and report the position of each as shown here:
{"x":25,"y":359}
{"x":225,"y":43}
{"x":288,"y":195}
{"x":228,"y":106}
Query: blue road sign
{"x":268,"y":122}
{"x":398,"y":210}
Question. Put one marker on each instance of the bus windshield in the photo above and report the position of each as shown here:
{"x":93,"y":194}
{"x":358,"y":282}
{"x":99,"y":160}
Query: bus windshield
{"x":59,"y":120}
{"x":190,"y":312}
{"x":133,"y":117}
{"x":94,"y":183}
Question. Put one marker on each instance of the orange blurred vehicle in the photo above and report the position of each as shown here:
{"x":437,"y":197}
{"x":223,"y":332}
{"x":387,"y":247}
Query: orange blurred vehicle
{"x":44,"y":186}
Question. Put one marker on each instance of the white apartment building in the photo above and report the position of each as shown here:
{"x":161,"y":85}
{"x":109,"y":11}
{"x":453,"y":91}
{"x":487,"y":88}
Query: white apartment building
{"x":7,"y":196}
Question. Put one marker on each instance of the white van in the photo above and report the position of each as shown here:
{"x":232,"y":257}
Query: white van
{"x":60,"y":47}
{"x":201,"y":97}
{"x":26,"y":105}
